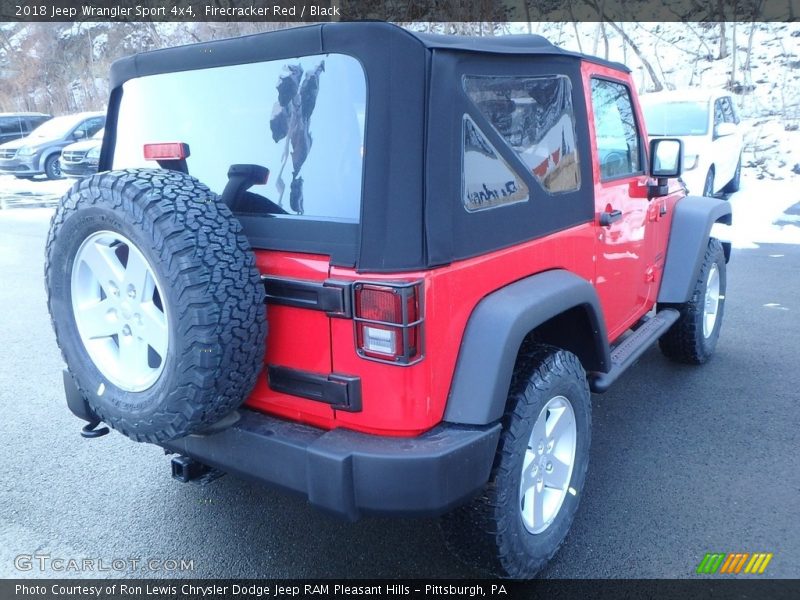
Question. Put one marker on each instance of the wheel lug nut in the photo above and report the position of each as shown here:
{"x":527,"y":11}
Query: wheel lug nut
{"x":549,"y":445}
{"x":126,"y":330}
{"x":113,"y":288}
{"x":131,"y":292}
{"x":549,"y":467}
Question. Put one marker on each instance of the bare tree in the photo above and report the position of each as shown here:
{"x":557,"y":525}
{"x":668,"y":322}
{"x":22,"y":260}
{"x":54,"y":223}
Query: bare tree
{"x":657,"y":85}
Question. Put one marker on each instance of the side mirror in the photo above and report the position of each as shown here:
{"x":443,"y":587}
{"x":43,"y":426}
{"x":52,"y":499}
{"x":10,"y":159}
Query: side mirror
{"x":724,"y":129}
{"x":666,"y":158}
{"x":78,"y":135}
{"x":666,"y":161}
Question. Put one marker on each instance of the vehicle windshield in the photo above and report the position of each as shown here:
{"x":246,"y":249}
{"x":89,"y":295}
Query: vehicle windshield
{"x":56,"y":128}
{"x":676,"y":118}
{"x":99,"y":134}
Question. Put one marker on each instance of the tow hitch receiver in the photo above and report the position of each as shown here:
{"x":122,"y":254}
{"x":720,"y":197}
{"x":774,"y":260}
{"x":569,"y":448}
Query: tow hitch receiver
{"x":186,"y":469}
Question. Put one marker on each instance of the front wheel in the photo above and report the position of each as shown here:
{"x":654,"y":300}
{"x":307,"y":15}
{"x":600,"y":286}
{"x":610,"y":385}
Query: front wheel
{"x":516,"y":525}
{"x":693,"y":338}
{"x":52,"y":167}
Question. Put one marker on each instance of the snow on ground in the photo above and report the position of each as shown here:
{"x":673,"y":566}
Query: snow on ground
{"x":760,"y":213}
{"x":765,"y":211}
{"x":25,"y":193}
{"x":767,"y":208}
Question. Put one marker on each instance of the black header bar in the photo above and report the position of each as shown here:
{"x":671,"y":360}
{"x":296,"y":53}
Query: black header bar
{"x":400,"y":10}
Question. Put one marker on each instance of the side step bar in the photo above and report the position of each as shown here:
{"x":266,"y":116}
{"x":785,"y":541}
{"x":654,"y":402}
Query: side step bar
{"x":628,"y":351}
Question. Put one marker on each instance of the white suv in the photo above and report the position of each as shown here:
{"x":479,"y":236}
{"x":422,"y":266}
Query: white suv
{"x":708,"y":124}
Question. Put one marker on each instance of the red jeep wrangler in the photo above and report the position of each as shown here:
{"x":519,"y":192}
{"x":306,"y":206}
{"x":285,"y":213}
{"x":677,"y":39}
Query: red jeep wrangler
{"x":381,"y":269}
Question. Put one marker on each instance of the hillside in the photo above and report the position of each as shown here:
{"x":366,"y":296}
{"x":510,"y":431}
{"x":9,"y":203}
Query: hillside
{"x":62,"y":67}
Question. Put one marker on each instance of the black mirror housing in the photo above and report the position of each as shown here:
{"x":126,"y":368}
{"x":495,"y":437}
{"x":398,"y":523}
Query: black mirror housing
{"x":666,"y":158}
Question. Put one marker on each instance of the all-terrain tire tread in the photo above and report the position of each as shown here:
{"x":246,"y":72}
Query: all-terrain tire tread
{"x":684,"y":341}
{"x":220,"y":314}
{"x":479,"y":532}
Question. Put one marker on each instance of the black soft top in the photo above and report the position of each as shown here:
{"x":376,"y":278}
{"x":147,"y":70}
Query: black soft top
{"x":411,"y":213}
{"x":296,"y":41}
{"x":506,"y":44}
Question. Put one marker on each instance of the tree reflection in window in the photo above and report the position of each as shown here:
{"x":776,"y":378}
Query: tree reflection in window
{"x":488,"y":180}
{"x":534,"y":115}
{"x":615,"y":128}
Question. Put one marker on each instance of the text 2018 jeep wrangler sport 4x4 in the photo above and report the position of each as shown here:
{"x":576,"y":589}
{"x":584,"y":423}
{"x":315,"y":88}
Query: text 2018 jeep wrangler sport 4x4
{"x":453,"y":242}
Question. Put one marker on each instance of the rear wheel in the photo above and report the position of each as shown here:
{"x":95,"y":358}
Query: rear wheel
{"x":522,"y":516}
{"x":156,"y":302}
{"x":52,"y":167}
{"x":693,"y":337}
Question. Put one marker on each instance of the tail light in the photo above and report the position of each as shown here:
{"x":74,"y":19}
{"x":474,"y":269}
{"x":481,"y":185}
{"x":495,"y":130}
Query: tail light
{"x":166,"y":151}
{"x":388,"y":320}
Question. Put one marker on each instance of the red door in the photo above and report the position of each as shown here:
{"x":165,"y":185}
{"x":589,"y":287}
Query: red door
{"x":626,"y":266}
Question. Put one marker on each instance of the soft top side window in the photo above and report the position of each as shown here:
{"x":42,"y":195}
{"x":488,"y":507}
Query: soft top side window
{"x":488,"y":180}
{"x":302,"y":118}
{"x":534,"y":115}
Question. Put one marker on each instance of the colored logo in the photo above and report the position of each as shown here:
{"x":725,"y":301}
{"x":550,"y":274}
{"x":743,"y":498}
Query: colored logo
{"x":735,"y":563}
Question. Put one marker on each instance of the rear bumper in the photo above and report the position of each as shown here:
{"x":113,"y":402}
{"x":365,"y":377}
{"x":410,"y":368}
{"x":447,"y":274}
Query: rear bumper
{"x":341,"y":471}
{"x":350,"y":473}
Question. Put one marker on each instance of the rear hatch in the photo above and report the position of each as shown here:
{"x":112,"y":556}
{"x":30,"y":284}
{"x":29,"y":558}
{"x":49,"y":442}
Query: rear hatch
{"x":303,"y":119}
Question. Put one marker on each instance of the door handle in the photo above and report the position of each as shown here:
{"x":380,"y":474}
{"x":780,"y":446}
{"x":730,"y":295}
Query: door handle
{"x":607,"y":218}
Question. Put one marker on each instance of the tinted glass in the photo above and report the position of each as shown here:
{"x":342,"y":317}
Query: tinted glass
{"x":91,"y":126}
{"x":615,"y":127}
{"x":488,"y":180}
{"x":9,"y":126}
{"x":302,"y":118}
{"x":676,"y":118}
{"x":728,"y":111}
{"x":534,"y":116}
{"x":719,"y":113}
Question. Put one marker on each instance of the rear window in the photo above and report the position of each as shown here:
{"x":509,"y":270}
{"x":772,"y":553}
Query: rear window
{"x":302,"y":118}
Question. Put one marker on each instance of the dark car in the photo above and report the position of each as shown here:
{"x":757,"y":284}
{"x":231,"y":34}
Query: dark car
{"x":17,"y":125}
{"x":39,"y":152}
{"x":80,"y":159}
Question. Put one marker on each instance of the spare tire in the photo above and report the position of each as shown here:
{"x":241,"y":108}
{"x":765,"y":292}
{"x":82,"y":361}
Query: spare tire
{"x":156,"y":302}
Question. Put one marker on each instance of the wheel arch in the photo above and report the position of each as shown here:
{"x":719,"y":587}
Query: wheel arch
{"x":46,"y":154}
{"x":691,"y":228}
{"x":556,"y":307}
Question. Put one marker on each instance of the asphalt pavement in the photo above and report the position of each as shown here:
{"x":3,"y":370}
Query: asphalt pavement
{"x":684,"y":461}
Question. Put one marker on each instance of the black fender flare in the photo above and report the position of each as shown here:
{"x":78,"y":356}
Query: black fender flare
{"x":691,"y":227}
{"x":495,"y":330}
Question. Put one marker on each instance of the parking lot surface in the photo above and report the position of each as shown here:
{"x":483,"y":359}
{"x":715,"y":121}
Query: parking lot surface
{"x":684,"y":461}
